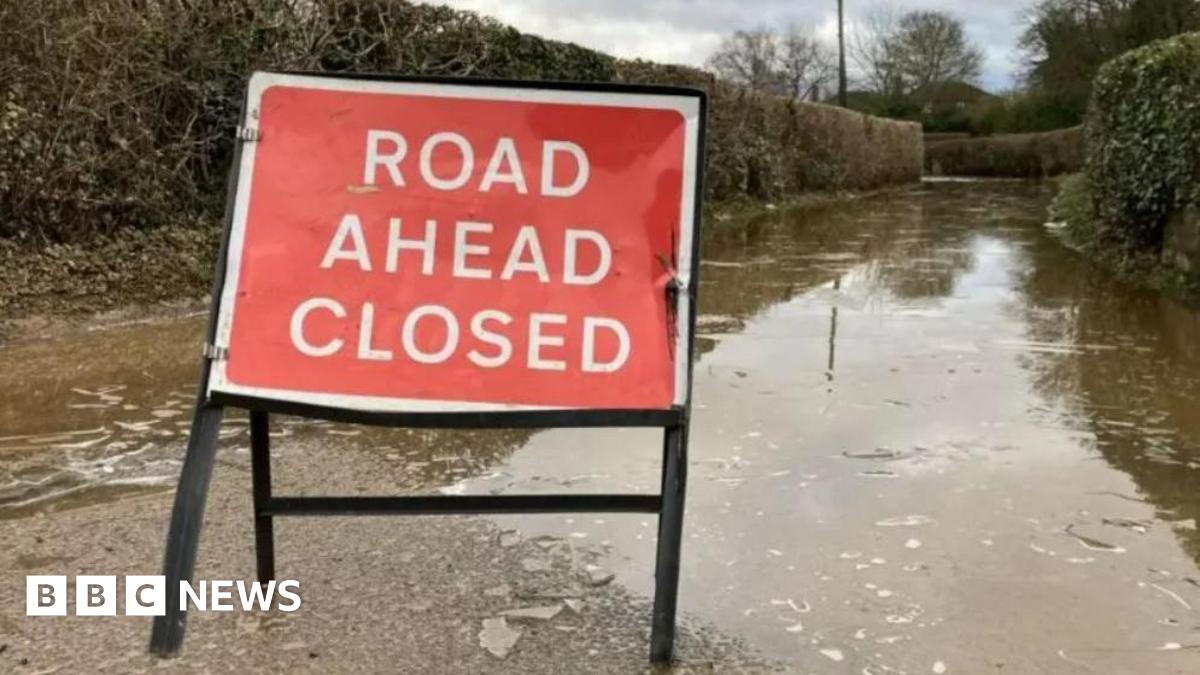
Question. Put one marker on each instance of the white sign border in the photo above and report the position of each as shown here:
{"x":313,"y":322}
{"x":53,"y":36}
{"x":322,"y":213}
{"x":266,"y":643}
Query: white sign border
{"x":687,"y":106}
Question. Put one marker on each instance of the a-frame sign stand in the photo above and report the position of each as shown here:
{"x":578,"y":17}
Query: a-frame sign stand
{"x":188,"y":511}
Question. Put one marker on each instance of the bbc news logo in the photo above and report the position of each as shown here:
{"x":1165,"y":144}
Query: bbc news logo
{"x":96,"y":595}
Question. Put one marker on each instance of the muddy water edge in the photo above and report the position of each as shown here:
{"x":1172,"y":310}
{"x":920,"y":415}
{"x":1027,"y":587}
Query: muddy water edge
{"x":927,"y":438}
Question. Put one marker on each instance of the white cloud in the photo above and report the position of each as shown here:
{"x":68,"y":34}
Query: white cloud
{"x":687,"y":31}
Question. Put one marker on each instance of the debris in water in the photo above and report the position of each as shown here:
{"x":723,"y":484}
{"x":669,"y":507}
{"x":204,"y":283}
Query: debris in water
{"x":939,"y":667}
{"x":1093,"y":544}
{"x":1039,"y":549}
{"x":1170,"y":646}
{"x":910,"y":615}
{"x":497,"y":637}
{"x":1173,"y":595}
{"x":792,"y":604}
{"x":905,"y":521}
{"x":833,"y":654}
{"x":1139,"y":526}
{"x":878,"y":473}
{"x":878,"y":453}
{"x":913,"y":544}
{"x":1110,"y":493}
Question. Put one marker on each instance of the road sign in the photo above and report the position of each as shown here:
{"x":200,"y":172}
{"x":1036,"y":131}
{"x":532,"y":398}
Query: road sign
{"x":412,"y":246}
{"x":457,"y":253}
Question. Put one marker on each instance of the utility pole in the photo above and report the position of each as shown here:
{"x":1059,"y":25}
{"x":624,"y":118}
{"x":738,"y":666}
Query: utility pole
{"x":841,"y":56}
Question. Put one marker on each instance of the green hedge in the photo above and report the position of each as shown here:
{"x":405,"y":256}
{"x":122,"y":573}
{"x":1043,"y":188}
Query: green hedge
{"x":121,"y":113}
{"x":1143,"y":138}
{"x":1012,"y":155}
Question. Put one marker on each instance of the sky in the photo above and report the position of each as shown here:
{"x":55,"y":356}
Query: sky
{"x":687,"y":31}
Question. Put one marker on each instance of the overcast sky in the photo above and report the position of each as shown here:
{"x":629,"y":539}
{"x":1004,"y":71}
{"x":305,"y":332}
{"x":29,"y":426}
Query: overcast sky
{"x":686,"y":31}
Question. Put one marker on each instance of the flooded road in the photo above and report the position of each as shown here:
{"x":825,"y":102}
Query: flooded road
{"x":927,"y":438}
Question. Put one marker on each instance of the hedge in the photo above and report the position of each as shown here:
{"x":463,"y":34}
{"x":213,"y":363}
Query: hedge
{"x":1034,"y":155}
{"x":1143,"y":138}
{"x":120,"y":114}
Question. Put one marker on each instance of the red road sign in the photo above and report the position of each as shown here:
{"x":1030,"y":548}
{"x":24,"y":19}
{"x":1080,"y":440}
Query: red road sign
{"x":410,"y":246}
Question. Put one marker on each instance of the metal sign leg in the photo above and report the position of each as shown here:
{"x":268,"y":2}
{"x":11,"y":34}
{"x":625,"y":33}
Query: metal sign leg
{"x":670,"y":539}
{"x":186,"y":518}
{"x":260,"y":467}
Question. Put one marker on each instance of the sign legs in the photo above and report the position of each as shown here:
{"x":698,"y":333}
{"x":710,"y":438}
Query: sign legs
{"x":260,"y":467}
{"x":670,"y":539}
{"x":186,"y":518}
{"x":188,"y":514}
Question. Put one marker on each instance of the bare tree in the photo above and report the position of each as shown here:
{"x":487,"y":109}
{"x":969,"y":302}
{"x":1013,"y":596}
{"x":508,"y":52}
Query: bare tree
{"x":805,"y":65}
{"x":750,"y":58}
{"x":912,"y":55}
{"x":874,"y":50}
{"x":933,"y":51}
{"x":793,"y":64}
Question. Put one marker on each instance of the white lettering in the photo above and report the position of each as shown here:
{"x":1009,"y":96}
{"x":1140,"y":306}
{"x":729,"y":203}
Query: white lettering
{"x":365,"y":333}
{"x":285,"y":591}
{"x":188,"y":592}
{"x":570,"y":275}
{"x":409,"y":334}
{"x":549,"y":150}
{"x":297,"y":327}
{"x":462,"y":249}
{"x":425,"y":246}
{"x":350,"y":227}
{"x":467,"y":155}
{"x":221,"y":594}
{"x":495,"y":339}
{"x":258,"y":595}
{"x":527,"y":238}
{"x":590,"y":325}
{"x":537,"y":340}
{"x":376,"y":158}
{"x":506,"y":151}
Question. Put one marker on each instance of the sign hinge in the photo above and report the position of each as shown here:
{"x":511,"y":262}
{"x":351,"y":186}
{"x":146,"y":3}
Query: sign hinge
{"x":216,"y":353}
{"x":249,"y":134}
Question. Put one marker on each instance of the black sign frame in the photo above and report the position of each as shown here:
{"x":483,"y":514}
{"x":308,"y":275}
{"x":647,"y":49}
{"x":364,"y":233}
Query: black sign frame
{"x":191,"y":494}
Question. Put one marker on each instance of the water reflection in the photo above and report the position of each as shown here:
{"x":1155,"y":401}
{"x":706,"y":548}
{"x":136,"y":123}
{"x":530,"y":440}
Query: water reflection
{"x":101,"y":414}
{"x":1123,"y":363}
{"x":111,"y":407}
{"x":901,"y":455}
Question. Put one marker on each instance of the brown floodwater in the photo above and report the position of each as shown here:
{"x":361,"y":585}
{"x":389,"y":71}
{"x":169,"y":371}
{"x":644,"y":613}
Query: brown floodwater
{"x":927,"y":438}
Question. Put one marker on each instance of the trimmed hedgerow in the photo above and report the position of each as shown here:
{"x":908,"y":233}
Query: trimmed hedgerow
{"x":120,"y":114}
{"x":1143,"y":138}
{"x":1035,"y":155}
